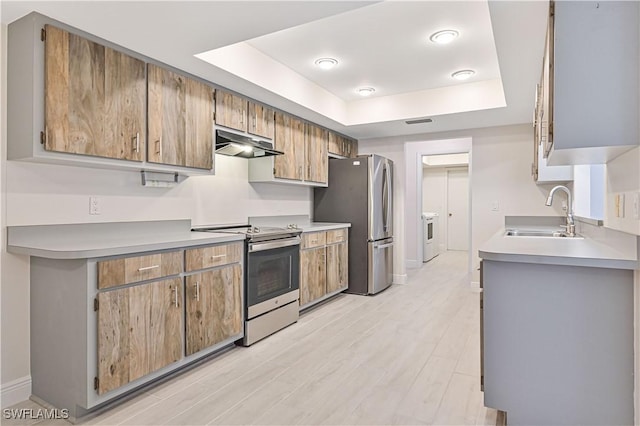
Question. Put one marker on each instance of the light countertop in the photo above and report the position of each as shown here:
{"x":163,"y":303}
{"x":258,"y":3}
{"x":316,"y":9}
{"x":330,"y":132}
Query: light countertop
{"x":323,"y":226}
{"x":584,"y":251}
{"x":85,"y":241}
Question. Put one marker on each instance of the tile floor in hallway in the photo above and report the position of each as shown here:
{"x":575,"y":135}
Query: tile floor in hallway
{"x":409,"y":355}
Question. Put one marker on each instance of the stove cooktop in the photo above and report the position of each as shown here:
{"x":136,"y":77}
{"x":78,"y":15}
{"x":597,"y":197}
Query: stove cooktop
{"x":254,"y":232}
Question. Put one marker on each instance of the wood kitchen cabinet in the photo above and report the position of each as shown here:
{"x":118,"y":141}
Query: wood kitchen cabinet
{"x":324,"y":267}
{"x":313,"y":274}
{"x":290,"y":139}
{"x":213,"y":306}
{"x":94,"y":98}
{"x":140,"y":330}
{"x":261,"y":120}
{"x":180,"y":120}
{"x":316,"y":155}
{"x":342,"y":146}
{"x":231,"y":110}
{"x":337,"y":260}
{"x":589,"y":113}
{"x":305,"y":159}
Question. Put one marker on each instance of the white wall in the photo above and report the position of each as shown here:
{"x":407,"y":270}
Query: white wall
{"x":499,"y":173}
{"x":434,"y":197}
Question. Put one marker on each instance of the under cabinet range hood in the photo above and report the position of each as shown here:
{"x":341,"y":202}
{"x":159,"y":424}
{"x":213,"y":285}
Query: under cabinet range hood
{"x":236,"y":145}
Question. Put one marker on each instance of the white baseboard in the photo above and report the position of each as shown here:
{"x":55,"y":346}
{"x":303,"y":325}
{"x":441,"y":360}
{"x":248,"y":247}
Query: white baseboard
{"x":16,"y":391}
{"x":399,"y":278}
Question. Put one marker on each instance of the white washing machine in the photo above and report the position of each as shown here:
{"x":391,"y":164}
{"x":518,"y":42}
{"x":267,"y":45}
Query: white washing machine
{"x":430,"y":248}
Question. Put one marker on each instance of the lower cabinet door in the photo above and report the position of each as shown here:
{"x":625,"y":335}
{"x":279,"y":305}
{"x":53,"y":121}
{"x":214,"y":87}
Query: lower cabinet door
{"x":337,"y":267}
{"x":214,"y":307}
{"x":313,"y":275}
{"x":139,"y":331}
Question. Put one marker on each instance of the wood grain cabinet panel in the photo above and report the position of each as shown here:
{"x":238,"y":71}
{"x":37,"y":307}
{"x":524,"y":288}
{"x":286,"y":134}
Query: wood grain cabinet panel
{"x":209,"y":257}
{"x":313,"y":239}
{"x":213,"y":307}
{"x":317,"y":166}
{"x":337,"y":267}
{"x":231,"y":111}
{"x":342,"y":146}
{"x":94,"y":98}
{"x":180,"y":120}
{"x":313,"y":275}
{"x":139,"y":331}
{"x":290,"y":139}
{"x":261,"y":120}
{"x":128,"y":270}
{"x":337,"y":236}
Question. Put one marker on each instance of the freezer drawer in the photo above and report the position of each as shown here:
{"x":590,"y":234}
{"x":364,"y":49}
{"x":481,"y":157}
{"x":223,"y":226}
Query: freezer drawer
{"x":380,"y":262}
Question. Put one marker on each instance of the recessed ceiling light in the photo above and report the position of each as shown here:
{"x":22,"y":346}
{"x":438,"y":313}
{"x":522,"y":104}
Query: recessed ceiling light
{"x":444,"y":36}
{"x":366,"y":91}
{"x":463,"y":74}
{"x":326,"y":63}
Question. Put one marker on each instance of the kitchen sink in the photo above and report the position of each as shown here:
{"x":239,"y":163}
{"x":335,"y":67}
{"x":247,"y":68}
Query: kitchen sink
{"x":538,"y":233}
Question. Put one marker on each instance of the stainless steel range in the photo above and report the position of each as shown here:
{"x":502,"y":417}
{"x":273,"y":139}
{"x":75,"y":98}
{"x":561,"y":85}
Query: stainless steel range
{"x":272,"y":275}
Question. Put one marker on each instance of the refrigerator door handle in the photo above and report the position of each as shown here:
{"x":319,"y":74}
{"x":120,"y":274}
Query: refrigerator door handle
{"x":385,"y":197}
{"x":383,"y":246}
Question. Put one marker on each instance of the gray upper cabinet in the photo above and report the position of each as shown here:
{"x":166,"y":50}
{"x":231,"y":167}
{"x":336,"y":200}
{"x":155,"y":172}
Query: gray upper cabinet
{"x":593,"y":64}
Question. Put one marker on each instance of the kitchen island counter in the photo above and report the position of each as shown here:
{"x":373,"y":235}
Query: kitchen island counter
{"x":586,"y":251}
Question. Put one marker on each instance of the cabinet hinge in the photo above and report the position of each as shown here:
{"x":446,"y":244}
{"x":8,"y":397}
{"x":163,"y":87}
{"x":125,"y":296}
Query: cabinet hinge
{"x":43,"y":34}
{"x":96,"y":383}
{"x":96,"y":305}
{"x":43,"y":138}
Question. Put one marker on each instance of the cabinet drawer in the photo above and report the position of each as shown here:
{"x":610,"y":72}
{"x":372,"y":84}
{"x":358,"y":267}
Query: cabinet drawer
{"x":208,"y":257}
{"x":128,"y":270}
{"x":314,"y":239}
{"x":337,"y":236}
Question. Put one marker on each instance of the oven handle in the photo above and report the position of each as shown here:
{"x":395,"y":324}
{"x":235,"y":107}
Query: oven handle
{"x":268,"y":245}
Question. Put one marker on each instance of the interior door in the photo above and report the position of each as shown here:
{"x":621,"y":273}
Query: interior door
{"x":458,"y":209}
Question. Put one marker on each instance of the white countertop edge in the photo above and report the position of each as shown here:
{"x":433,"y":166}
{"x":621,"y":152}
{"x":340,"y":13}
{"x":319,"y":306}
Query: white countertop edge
{"x":323,"y":226}
{"x":192,"y":239}
{"x":560,"y":260}
{"x":502,"y":248}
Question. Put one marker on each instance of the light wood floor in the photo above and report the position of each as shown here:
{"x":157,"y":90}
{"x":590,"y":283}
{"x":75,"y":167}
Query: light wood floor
{"x":409,"y":355}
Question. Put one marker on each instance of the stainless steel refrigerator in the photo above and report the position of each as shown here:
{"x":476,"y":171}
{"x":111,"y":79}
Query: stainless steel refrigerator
{"x":360,"y":192}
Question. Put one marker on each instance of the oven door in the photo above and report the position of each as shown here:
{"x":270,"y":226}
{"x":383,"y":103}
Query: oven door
{"x":273,"y":269}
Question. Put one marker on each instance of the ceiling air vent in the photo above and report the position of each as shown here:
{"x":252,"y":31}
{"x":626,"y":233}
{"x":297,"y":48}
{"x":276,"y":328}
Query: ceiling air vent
{"x":419,"y":121}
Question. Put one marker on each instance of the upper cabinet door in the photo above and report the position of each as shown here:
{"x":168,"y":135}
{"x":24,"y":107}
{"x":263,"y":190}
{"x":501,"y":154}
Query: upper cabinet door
{"x":231,"y":111}
{"x":94,"y":98}
{"x":261,"y":120}
{"x":290,"y":139}
{"x":316,"y":142}
{"x":180,"y":120}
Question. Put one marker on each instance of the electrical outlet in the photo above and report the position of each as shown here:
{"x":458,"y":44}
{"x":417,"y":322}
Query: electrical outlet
{"x":94,"y":205}
{"x":495,"y":206}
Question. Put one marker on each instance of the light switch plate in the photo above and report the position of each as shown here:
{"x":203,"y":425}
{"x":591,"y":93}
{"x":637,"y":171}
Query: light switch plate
{"x":636,"y":206}
{"x":495,"y":206}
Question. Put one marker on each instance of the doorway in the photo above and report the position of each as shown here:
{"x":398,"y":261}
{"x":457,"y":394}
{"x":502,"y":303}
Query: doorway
{"x":445,"y":197}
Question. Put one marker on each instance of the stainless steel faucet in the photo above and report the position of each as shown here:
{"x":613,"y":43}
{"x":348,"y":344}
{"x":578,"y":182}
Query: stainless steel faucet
{"x":571,"y":226}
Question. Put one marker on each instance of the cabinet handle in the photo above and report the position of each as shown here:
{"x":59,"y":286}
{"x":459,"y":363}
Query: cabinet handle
{"x":218,"y":256}
{"x":137,"y":145}
{"x":197,"y":291}
{"x":175,"y":296}
{"x":146,"y":268}
{"x":159,"y":147}
{"x":300,"y":171}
